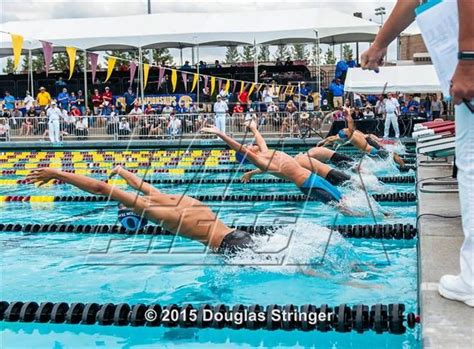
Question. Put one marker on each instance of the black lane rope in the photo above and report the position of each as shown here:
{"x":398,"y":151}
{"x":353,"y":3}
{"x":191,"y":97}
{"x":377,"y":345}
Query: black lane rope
{"x":358,"y":231}
{"x":370,"y":206}
{"x":390,"y":197}
{"x":203,"y":180}
{"x":360,"y":318}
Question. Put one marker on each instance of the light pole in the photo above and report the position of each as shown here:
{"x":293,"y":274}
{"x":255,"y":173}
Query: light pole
{"x":149,"y":7}
{"x":380,"y":11}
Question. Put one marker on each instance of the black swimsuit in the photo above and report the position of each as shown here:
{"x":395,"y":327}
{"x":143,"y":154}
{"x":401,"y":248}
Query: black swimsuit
{"x":235,"y":241}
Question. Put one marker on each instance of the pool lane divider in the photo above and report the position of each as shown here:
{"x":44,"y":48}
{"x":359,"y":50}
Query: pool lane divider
{"x":171,"y":171}
{"x":357,"y":231}
{"x":386,"y":180}
{"x":390,"y":197}
{"x":360,"y":318}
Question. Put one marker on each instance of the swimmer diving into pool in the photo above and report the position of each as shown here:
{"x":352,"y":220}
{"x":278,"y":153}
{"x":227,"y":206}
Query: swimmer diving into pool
{"x":284,"y":166}
{"x":368,"y":144}
{"x":179,"y":214}
{"x":333,"y":176}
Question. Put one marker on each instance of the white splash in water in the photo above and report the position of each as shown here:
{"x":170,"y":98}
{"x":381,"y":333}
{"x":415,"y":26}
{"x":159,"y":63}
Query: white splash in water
{"x":293,"y":249}
{"x":356,"y":202}
{"x":376,"y":165}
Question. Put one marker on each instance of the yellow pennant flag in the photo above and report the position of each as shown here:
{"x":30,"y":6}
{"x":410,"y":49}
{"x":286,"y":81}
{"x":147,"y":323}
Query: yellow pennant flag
{"x":195,"y":81}
{"x":251,"y":89}
{"x":259,"y":87}
{"x":227,"y":86}
{"x":213,"y":84}
{"x":242,"y":86}
{"x":71,"y":53}
{"x":146,"y":70}
{"x":110,"y":67}
{"x":174,"y":78}
{"x":17,"y":43}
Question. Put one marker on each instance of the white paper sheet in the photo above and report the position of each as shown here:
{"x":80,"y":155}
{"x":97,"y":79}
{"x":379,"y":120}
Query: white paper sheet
{"x":439,"y":25}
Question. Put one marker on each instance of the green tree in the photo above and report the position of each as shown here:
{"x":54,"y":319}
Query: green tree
{"x":299,"y":52}
{"x":248,"y":54}
{"x":37,"y":63}
{"x":282,"y":52}
{"x":315,"y":55}
{"x":347,"y":51}
{"x":162,"y":56}
{"x":329,"y":57}
{"x":231,"y":55}
{"x":264,"y":54}
{"x":8,"y":69}
{"x":60,"y":61}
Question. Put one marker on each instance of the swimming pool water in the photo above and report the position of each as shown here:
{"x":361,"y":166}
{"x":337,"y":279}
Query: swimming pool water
{"x":106,"y":268}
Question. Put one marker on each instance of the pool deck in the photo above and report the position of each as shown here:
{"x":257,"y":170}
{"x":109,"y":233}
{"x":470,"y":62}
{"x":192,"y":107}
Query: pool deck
{"x":446,"y":324}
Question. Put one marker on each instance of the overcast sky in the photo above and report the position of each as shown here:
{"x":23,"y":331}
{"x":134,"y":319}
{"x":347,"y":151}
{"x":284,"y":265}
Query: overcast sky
{"x":23,"y":10}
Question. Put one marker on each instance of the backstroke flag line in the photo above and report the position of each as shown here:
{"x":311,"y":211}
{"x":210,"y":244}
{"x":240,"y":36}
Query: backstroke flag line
{"x":71,"y":53}
{"x":17,"y":43}
{"x":48,"y":55}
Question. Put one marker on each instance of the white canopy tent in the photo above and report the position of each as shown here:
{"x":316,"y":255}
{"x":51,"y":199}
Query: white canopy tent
{"x":406,"y":79}
{"x":178,"y":30}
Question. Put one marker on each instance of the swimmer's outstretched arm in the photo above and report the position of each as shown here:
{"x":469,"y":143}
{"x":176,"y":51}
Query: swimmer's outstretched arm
{"x":90,"y":185}
{"x":233,"y":144}
{"x":135,"y":182}
{"x":350,"y":123}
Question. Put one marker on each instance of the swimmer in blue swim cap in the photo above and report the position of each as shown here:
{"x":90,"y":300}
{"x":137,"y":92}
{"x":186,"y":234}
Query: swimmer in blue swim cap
{"x":368,"y":144}
{"x":178,"y":214}
{"x":284,"y":166}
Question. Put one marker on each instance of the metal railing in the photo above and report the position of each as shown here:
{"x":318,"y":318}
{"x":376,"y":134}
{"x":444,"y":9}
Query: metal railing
{"x":160,"y":126}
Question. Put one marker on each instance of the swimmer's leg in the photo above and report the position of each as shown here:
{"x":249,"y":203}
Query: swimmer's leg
{"x":398,"y":160}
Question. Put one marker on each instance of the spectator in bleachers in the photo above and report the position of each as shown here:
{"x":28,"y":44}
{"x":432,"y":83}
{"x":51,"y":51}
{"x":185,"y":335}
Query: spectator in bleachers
{"x":149,"y":110}
{"x":181,"y":108}
{"x":72,"y":100}
{"x":107,"y":97}
{"x":9,"y":101}
{"x":303,"y":92}
{"x":81,"y":128}
{"x":338,"y":114}
{"x":238,"y":109}
{"x":27,"y":125}
{"x":337,"y":90}
{"x":124,"y":127}
{"x":69,"y":122}
{"x":351,"y":63}
{"x":43,"y":98}
{"x":186,"y":66}
{"x":288,"y":122}
{"x":274,"y":91}
{"x":224,"y":94}
{"x":254,"y":101}
{"x":310,"y":103}
{"x":325,"y":106}
{"x":206,"y":98}
{"x":202,"y":65}
{"x":288,"y":62}
{"x":63,"y":99}
{"x":380,"y":107}
{"x":130,"y":99}
{"x":143,"y":127}
{"x":135,"y":113}
{"x":368,"y":113}
{"x":4,"y":130}
{"x":96,"y":101}
{"x":75,"y":111}
{"x":28,"y":101}
{"x":318,"y":118}
{"x":31,"y":112}
{"x":243,"y":97}
{"x":341,"y":70}
{"x":427,"y":106}
{"x":81,"y":102}
{"x":174,"y":126}
{"x":60,"y":83}
{"x":357,"y":114}
{"x":358,"y":100}
{"x":437,"y":107}
{"x":413,"y":103}
{"x":267,"y":97}
{"x":422,"y":113}
{"x":278,"y":62}
{"x":167,"y":110}
{"x":217,"y":65}
{"x":15,"y":118}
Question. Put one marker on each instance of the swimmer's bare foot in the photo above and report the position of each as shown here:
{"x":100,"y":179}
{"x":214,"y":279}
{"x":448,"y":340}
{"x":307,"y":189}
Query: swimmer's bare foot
{"x":115,"y":171}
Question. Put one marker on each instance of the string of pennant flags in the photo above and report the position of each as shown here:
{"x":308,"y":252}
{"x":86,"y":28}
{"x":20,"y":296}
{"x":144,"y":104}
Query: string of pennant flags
{"x":93,"y":58}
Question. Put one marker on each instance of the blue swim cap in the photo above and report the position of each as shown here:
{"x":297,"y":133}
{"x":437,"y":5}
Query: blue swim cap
{"x":130,"y":220}
{"x":342,"y":134}
{"x":241,"y":158}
